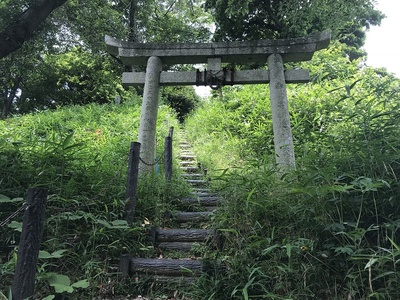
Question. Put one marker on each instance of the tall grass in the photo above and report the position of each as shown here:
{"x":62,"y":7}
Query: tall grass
{"x":80,"y":153}
{"x":330,"y":229}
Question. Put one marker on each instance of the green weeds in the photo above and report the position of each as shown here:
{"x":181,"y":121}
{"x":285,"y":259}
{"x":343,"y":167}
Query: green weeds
{"x":328,"y":230}
{"x":81,"y":155}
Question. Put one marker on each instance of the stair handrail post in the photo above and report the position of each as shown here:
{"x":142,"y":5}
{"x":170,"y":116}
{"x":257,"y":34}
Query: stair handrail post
{"x":23,"y":284}
{"x":132,"y":182}
{"x":168,"y":157}
{"x":171,"y":131}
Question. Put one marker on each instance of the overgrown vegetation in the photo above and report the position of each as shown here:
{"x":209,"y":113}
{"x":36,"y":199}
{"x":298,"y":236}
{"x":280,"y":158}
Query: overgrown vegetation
{"x":80,"y":153}
{"x":328,"y":230}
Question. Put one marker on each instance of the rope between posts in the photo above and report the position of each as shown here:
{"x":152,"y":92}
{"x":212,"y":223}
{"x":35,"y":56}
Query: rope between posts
{"x":152,"y":164}
{"x":14,"y":214}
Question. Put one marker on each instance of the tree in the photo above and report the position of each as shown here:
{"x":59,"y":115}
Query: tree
{"x":23,"y":27}
{"x":69,"y":26}
{"x":182,"y":99}
{"x":176,"y":21}
{"x":25,"y":79}
{"x":165,"y":21}
{"x":15,"y":69}
{"x":273,"y":19}
{"x":74,"y":77}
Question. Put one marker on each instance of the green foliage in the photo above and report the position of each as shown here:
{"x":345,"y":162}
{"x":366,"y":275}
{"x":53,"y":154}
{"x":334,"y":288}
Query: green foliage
{"x":183,"y":100}
{"x":66,"y":63}
{"x":86,"y":22}
{"x":74,"y":77}
{"x":173,"y":21}
{"x":259,"y":19}
{"x":328,"y":230}
{"x":80,"y":153}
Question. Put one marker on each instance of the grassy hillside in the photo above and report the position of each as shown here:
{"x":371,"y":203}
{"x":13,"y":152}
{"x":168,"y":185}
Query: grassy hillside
{"x":80,"y":153}
{"x":329,"y":229}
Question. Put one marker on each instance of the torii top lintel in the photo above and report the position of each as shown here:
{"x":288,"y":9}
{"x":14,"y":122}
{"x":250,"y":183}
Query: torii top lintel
{"x":292,"y":50}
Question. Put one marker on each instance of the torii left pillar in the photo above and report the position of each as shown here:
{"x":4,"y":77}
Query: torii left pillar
{"x":283,"y":140}
{"x":148,"y":116}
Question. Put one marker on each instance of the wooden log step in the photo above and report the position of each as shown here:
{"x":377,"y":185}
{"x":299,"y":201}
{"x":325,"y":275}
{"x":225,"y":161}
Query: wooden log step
{"x":201,"y":190}
{"x":167,"y":267}
{"x":203,"y":201}
{"x":188,"y":163}
{"x":187,"y":150}
{"x":186,"y":153}
{"x":176,"y":246}
{"x":192,"y":175}
{"x":187,"y":157}
{"x":197,"y":182}
{"x":183,"y":235}
{"x":199,"y":216}
{"x":189,"y":169}
{"x":185,"y":145}
{"x":204,"y":194}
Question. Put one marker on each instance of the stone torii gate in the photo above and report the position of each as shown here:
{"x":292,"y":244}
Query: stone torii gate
{"x":273,"y":52}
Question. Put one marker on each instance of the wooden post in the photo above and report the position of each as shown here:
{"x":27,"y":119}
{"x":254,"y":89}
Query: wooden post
{"x":132,"y":182}
{"x":124,"y":266}
{"x":23,"y":285}
{"x":171,"y":131}
{"x":168,"y":157}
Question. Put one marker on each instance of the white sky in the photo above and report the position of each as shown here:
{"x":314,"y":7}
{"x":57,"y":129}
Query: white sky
{"x":383,"y":43}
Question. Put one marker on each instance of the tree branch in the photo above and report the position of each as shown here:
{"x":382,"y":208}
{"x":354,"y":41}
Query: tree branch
{"x":17,"y":33}
{"x":132,"y":14}
{"x":271,"y":14}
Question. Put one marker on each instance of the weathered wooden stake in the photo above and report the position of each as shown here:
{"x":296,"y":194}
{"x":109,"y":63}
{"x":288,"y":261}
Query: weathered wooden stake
{"x":124,"y":265}
{"x":171,"y":131}
{"x":23,"y":285}
{"x":132,"y":182}
{"x":168,"y":157}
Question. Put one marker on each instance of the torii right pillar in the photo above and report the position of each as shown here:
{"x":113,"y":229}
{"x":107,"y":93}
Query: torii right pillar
{"x":283,"y":140}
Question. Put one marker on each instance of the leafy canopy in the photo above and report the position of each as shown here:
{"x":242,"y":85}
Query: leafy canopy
{"x":272,"y":19}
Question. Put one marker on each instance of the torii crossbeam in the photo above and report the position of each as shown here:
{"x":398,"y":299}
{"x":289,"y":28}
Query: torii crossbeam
{"x":273,"y":52}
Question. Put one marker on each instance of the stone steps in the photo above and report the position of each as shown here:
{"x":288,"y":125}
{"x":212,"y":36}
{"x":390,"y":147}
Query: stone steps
{"x":185,"y":157}
{"x":189,"y":216}
{"x":197,"y":210}
{"x":188,"y":163}
{"x":189,"y":169}
{"x":202,"y":201}
{"x":192,"y":175}
{"x":197,"y":182}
